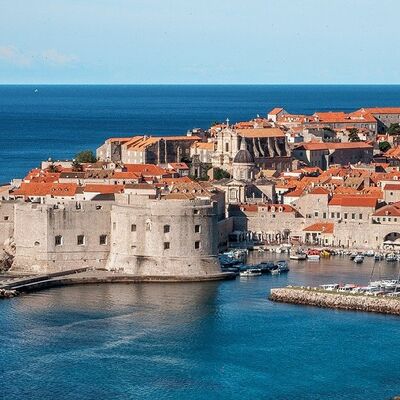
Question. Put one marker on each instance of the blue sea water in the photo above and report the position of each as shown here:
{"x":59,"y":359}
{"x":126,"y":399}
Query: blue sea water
{"x":58,"y":121}
{"x":198,"y":341}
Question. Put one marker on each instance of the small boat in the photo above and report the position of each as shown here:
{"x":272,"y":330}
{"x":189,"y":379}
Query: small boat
{"x":298,"y":256}
{"x":313,"y":255}
{"x":281,"y":266}
{"x":330,"y":287}
{"x":266,"y":266}
{"x":353,"y":256}
{"x":275,"y":272}
{"x":378,"y":257}
{"x":250,"y":272}
{"x":391,"y":257}
{"x":325,"y":253}
{"x":358,"y":259}
{"x":369,"y":253}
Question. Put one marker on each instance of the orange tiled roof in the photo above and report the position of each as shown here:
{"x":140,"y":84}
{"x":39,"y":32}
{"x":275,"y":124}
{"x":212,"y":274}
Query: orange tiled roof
{"x":260,"y":132}
{"x":104,"y":189}
{"x":275,"y":111}
{"x":334,"y":146}
{"x":321,"y":227}
{"x":319,"y":190}
{"x":353,"y":201}
{"x":145,"y":169}
{"x":204,"y":145}
{"x":390,"y":210}
{"x":381,"y":110}
{"x":44,"y":189}
{"x":391,"y":186}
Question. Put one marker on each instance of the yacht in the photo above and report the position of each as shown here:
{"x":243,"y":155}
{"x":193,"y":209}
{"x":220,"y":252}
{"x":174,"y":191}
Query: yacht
{"x":391,"y":257}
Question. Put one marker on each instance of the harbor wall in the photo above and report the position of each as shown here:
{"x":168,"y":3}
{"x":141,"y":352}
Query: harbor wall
{"x":342,"y":301}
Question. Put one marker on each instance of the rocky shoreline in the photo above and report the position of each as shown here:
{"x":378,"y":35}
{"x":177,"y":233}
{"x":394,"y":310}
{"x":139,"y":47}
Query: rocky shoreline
{"x":343,"y":301}
{"x":8,"y":294}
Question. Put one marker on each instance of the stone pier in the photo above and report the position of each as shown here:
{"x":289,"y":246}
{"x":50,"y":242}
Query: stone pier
{"x":344,"y":301}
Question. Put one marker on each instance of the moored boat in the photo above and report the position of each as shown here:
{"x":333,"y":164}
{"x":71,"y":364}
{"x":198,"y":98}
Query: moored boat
{"x":358,"y":259}
{"x":250,"y":272}
{"x":313,"y":255}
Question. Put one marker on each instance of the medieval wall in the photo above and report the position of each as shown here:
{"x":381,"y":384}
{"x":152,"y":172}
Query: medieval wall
{"x":55,"y":238}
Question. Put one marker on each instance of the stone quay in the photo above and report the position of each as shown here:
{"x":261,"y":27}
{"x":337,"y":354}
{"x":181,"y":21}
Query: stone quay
{"x":344,"y":301}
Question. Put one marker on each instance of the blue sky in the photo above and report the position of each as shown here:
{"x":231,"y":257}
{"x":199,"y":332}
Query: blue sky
{"x":184,"y":41}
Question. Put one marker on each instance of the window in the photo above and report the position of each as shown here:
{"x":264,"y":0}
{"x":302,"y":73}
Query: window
{"x":360,"y":216}
{"x":6,"y":218}
{"x":197,"y":228}
{"x":337,"y":215}
{"x":196,"y":212}
{"x":345,"y":215}
{"x":133,"y":228}
{"x":315,"y":213}
{"x":226,"y":146}
{"x":166,"y":245}
{"x":80,"y":240}
{"x":103,"y":240}
{"x":332,"y":215}
{"x":98,"y":207}
{"x":324,"y":215}
{"x":353,"y":216}
{"x":197,"y":245}
{"x":114,"y":225}
{"x":166,"y":228}
{"x":58,"y":240}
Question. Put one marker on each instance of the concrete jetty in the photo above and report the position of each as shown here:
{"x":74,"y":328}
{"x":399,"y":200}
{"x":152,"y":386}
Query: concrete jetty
{"x":16,"y":285}
{"x":344,"y":301}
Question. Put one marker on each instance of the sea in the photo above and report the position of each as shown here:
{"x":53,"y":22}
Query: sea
{"x":57,"y":121}
{"x":214,"y":340}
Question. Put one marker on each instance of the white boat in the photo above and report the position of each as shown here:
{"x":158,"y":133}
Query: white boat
{"x":298,"y":256}
{"x":359,"y":258}
{"x":275,"y":272}
{"x":250,"y":272}
{"x":330,"y":287}
{"x":391,"y":257}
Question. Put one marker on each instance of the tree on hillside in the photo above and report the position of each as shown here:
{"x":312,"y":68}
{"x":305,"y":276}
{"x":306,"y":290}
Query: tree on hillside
{"x":384,"y":146}
{"x":86,"y":156}
{"x":394,"y":129}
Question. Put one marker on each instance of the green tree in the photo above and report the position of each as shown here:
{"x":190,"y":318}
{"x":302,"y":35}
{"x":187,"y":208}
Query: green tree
{"x":384,"y":146}
{"x":86,"y":156}
{"x":76,"y":166}
{"x":52,"y":168}
{"x":353,"y":135}
{"x":220,"y":174}
{"x":394,"y":129}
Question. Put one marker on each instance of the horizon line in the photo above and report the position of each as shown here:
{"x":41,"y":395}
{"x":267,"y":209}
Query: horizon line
{"x":196,"y":84}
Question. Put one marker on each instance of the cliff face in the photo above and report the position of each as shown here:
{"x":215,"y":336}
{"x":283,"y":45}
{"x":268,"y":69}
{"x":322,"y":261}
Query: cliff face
{"x":310,"y":297}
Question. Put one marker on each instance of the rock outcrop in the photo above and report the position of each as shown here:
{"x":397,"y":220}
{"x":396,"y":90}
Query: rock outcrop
{"x":8,"y":294}
{"x":7,"y":255}
{"x":312,"y":297}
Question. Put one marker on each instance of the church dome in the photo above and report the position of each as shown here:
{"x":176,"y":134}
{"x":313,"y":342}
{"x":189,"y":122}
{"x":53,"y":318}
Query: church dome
{"x":243,"y":156}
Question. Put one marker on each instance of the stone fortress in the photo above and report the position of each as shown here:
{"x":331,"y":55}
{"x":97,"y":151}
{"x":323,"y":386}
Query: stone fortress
{"x":141,"y":210}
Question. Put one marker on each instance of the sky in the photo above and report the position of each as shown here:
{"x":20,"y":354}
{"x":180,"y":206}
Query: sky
{"x":199,"y":42}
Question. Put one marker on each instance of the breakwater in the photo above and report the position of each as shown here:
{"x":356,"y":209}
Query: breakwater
{"x":344,"y":301}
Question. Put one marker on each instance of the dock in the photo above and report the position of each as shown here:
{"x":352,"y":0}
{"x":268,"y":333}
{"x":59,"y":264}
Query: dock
{"x":328,"y":299}
{"x":14,"y":285}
